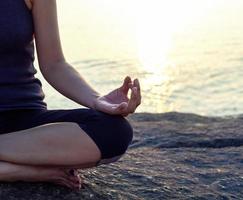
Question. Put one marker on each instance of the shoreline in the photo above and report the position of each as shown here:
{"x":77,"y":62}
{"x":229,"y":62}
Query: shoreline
{"x":160,"y":114}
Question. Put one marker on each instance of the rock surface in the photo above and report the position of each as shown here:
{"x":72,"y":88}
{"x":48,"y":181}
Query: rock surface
{"x":173,"y":156}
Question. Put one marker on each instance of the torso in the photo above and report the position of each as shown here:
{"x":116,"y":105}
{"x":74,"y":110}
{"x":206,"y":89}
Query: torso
{"x":19,"y":88}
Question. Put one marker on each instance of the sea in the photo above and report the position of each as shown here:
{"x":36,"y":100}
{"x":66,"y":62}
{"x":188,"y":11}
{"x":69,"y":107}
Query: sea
{"x":187,"y":55}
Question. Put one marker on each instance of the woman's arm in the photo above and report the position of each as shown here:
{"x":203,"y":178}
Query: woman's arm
{"x":64,"y":78}
{"x":53,"y":66}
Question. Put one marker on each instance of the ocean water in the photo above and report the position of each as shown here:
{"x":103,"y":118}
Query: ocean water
{"x":187,"y":55}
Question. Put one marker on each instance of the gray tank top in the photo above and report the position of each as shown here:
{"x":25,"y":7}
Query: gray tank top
{"x":19,"y":88}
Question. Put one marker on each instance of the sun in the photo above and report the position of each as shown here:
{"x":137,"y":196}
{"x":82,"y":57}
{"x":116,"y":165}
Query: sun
{"x":156,"y":23}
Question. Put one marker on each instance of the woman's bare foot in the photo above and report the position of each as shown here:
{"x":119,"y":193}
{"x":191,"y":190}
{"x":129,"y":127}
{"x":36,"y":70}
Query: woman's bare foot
{"x":13,"y":172}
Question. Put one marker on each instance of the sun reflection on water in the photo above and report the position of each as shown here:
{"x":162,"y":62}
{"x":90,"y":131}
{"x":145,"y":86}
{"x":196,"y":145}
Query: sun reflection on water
{"x":157,"y":21}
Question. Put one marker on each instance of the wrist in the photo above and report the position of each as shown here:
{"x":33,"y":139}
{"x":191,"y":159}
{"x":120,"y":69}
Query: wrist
{"x":94,"y":101}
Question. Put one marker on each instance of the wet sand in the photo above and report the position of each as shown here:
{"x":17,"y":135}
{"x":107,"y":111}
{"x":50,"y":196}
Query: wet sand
{"x":173,"y":156}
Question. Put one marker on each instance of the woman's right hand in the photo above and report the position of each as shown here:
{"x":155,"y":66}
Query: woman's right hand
{"x":116,"y":102}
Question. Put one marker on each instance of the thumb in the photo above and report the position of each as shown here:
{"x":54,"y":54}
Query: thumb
{"x":122,"y":106}
{"x":118,"y":109}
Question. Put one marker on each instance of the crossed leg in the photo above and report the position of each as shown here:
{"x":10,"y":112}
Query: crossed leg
{"x":54,"y":141}
{"x":46,"y":152}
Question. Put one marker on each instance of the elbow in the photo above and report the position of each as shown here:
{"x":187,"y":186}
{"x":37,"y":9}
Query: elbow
{"x":47,"y":68}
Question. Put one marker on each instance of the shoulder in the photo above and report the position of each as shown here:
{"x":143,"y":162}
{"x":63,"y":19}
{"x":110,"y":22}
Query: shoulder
{"x":39,"y":3}
{"x":29,"y":3}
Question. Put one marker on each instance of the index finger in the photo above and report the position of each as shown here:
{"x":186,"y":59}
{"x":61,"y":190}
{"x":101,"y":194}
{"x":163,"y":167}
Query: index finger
{"x":133,"y":102}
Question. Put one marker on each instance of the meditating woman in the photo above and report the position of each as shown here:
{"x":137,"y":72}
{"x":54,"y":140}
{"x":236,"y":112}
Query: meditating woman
{"x":39,"y":144}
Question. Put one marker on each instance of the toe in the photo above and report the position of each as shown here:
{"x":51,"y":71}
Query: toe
{"x":69,"y":183}
{"x":73,"y":175}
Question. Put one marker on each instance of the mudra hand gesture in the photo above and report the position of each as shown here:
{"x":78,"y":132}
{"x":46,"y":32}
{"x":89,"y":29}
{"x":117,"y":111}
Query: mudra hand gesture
{"x":116,"y":102}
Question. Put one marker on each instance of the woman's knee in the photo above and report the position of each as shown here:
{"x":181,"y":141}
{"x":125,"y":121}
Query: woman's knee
{"x":123,"y":135}
{"x":117,"y":135}
{"x":111,"y":133}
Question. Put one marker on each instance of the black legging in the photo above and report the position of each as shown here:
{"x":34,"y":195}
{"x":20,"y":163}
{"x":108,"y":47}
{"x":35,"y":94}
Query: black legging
{"x":111,"y":133}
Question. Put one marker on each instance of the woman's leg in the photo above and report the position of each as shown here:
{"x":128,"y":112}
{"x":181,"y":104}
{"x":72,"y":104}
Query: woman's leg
{"x":28,"y":145}
{"x":60,"y":144}
{"x":68,"y":137}
{"x":51,"y":140}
